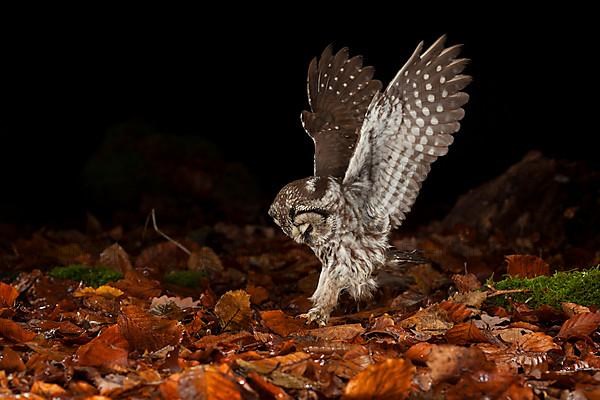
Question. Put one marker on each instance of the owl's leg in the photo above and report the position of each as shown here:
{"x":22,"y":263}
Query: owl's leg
{"x":325,"y":298}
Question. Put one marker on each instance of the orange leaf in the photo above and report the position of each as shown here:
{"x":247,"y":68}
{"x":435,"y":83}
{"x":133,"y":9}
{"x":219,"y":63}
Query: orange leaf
{"x":266,"y":388}
{"x":11,"y":361}
{"x":419,"y":352}
{"x":572,"y":309}
{"x":282,"y":363}
{"x":390,"y":379}
{"x":258,"y":294}
{"x":337,"y":332}
{"x":233,"y":310}
{"x":114,"y":256}
{"x":580,"y":325}
{"x":8,"y":295}
{"x":537,"y":342}
{"x":161,"y":256}
{"x":208,"y":382}
{"x":448,"y":361}
{"x":465,"y":333}
{"x":280,"y":323}
{"x":13,"y":331}
{"x":148,"y":332}
{"x":47,"y":389}
{"x":526,"y":266}
{"x":108,"y":349}
{"x":136,"y":285}
{"x":169,"y":388}
{"x":457,"y":312}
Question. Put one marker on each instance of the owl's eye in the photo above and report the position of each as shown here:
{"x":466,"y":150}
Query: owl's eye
{"x":313,"y":217}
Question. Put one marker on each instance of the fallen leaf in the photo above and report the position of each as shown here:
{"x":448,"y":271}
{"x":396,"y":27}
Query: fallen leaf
{"x":457,"y":312}
{"x":337,"y":332}
{"x":465,"y":333}
{"x":161,"y":256}
{"x":233,"y":310}
{"x":208,"y":382}
{"x":162,"y":305}
{"x":390,"y":379}
{"x":265,"y":388}
{"x":109,"y":349}
{"x":104,"y":291}
{"x":8,"y":295}
{"x":481,"y":384}
{"x":169,"y":388}
{"x":11,"y":361}
{"x":281,"y":363}
{"x":580,"y":325}
{"x":537,"y":342}
{"x":448,"y":361}
{"x":432,"y":320}
{"x":51,"y":390}
{"x":526,"y":266}
{"x":280,"y":323}
{"x":511,"y":335}
{"x":146,"y":332}
{"x":15,"y":332}
{"x":474,"y":298}
{"x":419,"y":352}
{"x":116,"y":257}
{"x":62,"y":327}
{"x":466,"y":283}
{"x":572,"y":309}
{"x":205,"y":259}
{"x":136,"y":285}
{"x":258,"y":294}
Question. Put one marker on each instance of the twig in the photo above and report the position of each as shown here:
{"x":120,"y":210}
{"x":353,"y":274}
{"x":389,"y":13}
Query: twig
{"x":506,"y":291}
{"x":161,"y":233}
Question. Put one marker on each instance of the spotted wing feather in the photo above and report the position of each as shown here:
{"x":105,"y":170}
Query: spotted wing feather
{"x":340,"y":90}
{"x":407,"y":128}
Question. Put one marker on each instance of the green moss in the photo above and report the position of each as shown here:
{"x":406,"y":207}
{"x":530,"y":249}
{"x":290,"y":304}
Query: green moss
{"x":581,"y":287}
{"x":91,"y":276}
{"x":185,"y":278}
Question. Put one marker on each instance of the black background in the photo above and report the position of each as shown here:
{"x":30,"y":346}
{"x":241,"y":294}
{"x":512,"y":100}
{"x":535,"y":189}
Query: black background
{"x":239,"y":81}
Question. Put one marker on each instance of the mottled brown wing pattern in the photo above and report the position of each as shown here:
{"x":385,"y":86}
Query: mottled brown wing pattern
{"x":407,"y":128}
{"x":340,"y":90}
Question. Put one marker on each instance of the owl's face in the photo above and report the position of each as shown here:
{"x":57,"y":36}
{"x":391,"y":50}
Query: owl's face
{"x":306,"y":210}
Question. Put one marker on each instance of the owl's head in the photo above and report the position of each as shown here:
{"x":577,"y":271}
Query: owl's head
{"x":306,"y":209}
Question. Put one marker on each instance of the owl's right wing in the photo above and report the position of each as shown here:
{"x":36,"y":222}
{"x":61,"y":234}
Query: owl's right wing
{"x":339,"y":91}
{"x":407,"y":128}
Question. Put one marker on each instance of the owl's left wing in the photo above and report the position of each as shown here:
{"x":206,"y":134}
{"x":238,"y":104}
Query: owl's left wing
{"x":407,"y":128}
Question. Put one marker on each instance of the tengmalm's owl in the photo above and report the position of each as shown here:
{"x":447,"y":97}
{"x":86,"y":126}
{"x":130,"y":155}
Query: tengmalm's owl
{"x":373,"y":149}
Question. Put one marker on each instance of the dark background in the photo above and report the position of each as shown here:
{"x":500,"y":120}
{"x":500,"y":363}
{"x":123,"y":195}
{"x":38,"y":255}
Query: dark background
{"x":239,"y":82}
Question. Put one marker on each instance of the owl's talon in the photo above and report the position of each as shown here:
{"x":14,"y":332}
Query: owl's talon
{"x":315,"y":315}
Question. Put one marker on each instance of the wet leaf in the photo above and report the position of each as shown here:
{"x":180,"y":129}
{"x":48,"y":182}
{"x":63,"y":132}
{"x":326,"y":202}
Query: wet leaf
{"x":8,"y":295}
{"x":15,"y":332}
{"x":233,"y":310}
{"x":280,"y":323}
{"x":580,"y":325}
{"x":11,"y":361}
{"x":109,"y":349}
{"x":390,"y":379}
{"x":115,"y":257}
{"x":146,"y":332}
{"x":526,"y":266}
{"x":419,"y":352}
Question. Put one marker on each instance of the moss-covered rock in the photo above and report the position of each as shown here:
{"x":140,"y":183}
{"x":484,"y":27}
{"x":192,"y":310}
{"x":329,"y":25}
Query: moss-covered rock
{"x":91,"y":276}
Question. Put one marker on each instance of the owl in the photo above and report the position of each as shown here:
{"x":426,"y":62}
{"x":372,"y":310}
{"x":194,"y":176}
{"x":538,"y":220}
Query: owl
{"x":373,"y":149}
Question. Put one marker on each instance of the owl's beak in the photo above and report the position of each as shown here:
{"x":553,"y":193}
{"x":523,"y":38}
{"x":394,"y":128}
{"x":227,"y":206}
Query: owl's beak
{"x":298,"y":232}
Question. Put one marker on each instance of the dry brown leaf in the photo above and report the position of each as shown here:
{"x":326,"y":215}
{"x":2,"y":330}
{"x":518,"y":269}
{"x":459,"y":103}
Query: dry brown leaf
{"x":208,"y":382}
{"x":466,"y":283}
{"x":390,"y":379}
{"x":233,"y":310}
{"x":474,"y":298}
{"x":136,"y":285}
{"x":280,"y":323}
{"x":337,"y":332}
{"x":419,"y":353}
{"x":465,"y":333}
{"x":15,"y":332}
{"x":258,"y":294}
{"x":285,"y":363}
{"x":51,"y":390}
{"x":432,"y":320}
{"x":8,"y":295}
{"x":104,"y":291}
{"x":109,"y":349}
{"x":572,"y":309}
{"x":11,"y":361}
{"x":537,"y":342}
{"x":580,"y":325}
{"x":146,"y":332}
{"x":116,"y":257}
{"x":526,"y":266}
{"x":162,"y":256}
{"x":205,"y":259}
{"x":265,"y":388}
{"x":448,"y":361}
{"x":481,"y":384}
{"x":63,"y":327}
{"x":511,"y":335}
{"x":457,"y":312}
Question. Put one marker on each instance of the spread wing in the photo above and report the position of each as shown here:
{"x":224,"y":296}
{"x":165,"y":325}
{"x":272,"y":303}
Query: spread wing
{"x":407,"y":128}
{"x":339,"y":91}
